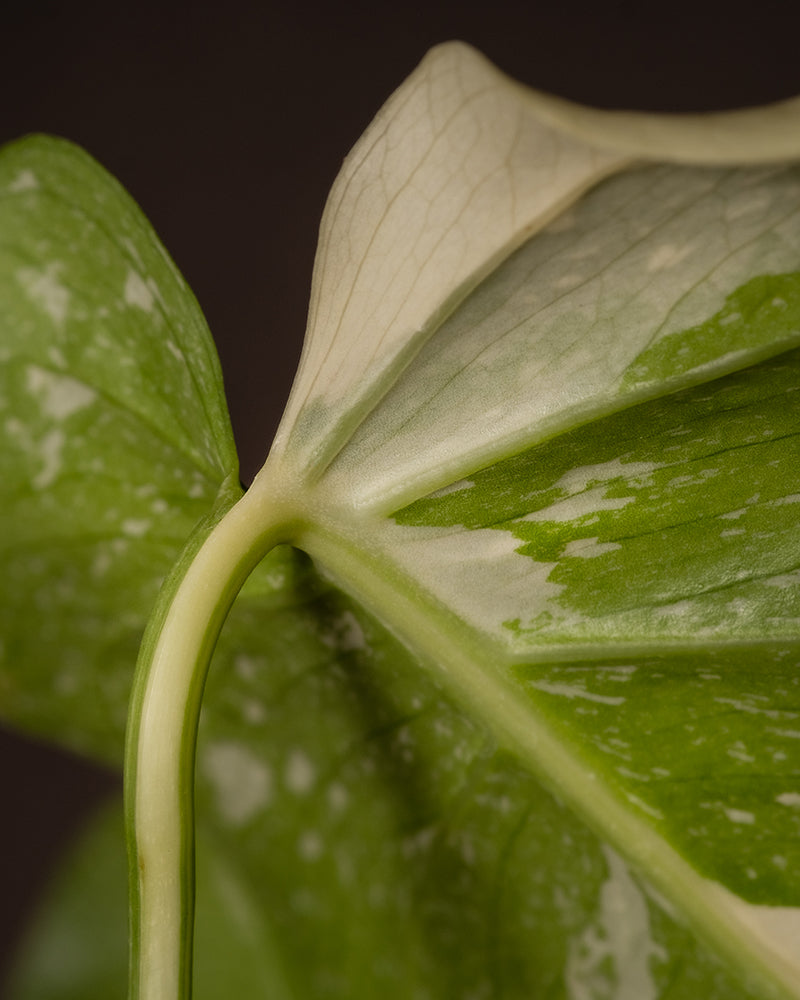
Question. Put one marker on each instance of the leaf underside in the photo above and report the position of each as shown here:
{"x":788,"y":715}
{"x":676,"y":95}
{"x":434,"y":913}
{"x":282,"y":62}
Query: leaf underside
{"x":398,"y":847}
{"x":581,"y":478}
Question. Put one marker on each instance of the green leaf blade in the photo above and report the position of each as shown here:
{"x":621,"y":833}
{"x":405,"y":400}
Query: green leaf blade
{"x":115,"y":438}
{"x":380,"y":830}
{"x":703,"y":744}
{"x":654,"y":677}
{"x":587,"y":467}
{"x":85,"y":278}
{"x":672,"y":522}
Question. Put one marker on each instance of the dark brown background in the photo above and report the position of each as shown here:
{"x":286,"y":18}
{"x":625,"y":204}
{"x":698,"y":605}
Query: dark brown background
{"x":228,"y":122}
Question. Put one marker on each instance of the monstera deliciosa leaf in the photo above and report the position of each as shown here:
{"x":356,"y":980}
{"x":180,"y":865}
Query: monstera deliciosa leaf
{"x":508,"y":703}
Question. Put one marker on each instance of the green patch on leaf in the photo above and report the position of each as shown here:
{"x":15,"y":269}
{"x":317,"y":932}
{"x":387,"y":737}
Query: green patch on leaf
{"x":765,"y":303}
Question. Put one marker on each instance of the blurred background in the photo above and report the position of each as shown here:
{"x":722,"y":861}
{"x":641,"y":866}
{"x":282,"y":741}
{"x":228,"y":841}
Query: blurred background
{"x":228,"y":122}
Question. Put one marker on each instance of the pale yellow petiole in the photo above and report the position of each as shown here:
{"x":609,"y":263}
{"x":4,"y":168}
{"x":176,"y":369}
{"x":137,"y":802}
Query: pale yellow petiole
{"x":162,"y":730}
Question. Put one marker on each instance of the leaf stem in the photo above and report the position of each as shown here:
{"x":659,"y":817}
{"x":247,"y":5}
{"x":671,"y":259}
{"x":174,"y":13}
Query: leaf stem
{"x":162,"y":729}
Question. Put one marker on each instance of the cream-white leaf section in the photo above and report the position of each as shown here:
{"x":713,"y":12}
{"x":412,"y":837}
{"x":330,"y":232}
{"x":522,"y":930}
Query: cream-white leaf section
{"x":454,"y":173}
{"x":555,"y":333}
{"x":767,"y":134}
{"x":457,"y":170}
